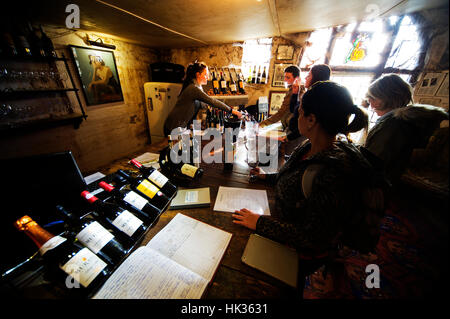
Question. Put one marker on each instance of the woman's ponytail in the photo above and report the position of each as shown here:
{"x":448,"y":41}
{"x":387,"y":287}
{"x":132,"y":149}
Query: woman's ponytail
{"x":360,"y":121}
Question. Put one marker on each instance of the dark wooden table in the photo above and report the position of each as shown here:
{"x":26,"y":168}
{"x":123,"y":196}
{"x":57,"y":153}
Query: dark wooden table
{"x":233,"y":279}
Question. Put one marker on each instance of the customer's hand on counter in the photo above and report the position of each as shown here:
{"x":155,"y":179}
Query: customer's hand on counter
{"x":245,"y":218}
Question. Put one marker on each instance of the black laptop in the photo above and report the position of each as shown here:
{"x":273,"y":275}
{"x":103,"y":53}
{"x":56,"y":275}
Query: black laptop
{"x":34,"y":186}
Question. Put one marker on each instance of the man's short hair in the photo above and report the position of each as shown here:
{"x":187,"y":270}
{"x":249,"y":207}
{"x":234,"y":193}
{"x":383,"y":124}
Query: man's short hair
{"x":293,"y":69}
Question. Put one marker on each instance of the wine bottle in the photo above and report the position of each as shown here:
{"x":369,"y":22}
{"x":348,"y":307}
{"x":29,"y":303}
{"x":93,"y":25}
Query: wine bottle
{"x":47,"y":44}
{"x":258,"y":78}
{"x":131,"y":200}
{"x":233,"y":87}
{"x":217,"y":120}
{"x":22,"y":44}
{"x":8,"y":46}
{"x":129,"y":226}
{"x":254,"y":75}
{"x":223,"y":84}
{"x":75,"y":260}
{"x":241,"y":83}
{"x":154,"y":176}
{"x":94,"y":236}
{"x":180,"y":170}
{"x":146,"y":189}
{"x":264,"y":76}
{"x":215,"y":83}
{"x":249,"y":79}
{"x":36,"y":45}
{"x":208,"y":117}
{"x":221,"y":124}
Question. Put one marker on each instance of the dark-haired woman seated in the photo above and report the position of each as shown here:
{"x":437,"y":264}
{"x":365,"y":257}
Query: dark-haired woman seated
{"x":317,"y":190}
{"x":190,"y":98}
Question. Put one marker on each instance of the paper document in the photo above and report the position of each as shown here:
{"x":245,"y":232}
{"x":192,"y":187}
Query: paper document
{"x":193,"y":244}
{"x":177,"y":263}
{"x":93,"y":177}
{"x":146,"y":274}
{"x":148,"y":159}
{"x":230,"y":199}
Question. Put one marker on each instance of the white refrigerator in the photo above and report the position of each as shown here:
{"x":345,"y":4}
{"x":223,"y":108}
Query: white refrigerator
{"x":160,"y":98}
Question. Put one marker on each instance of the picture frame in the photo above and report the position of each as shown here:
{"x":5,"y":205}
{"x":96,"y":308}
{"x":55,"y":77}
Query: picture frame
{"x":285,"y":52}
{"x":276,"y":100}
{"x":97,"y":72}
{"x":278,"y":75}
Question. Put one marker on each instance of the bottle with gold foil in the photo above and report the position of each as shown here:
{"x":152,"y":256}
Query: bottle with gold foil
{"x":83,"y":267}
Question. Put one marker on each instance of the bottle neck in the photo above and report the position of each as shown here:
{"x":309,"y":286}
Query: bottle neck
{"x":38,"y":234}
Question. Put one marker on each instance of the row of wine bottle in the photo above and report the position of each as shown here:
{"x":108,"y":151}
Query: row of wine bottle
{"x":98,"y":241}
{"x":223,"y":84}
{"x":25,"y":40}
{"x":257,"y":77}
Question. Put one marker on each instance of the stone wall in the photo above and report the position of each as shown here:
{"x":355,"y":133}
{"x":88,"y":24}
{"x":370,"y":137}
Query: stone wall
{"x":111,"y":130}
{"x":225,"y":55}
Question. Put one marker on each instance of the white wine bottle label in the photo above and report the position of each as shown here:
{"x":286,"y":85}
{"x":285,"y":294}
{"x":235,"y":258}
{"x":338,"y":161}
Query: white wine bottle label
{"x":84,"y":267}
{"x":136,"y":200}
{"x":148,"y":189}
{"x":189,"y":170}
{"x":233,"y":87}
{"x":127,"y":222}
{"x":223,"y":84}
{"x":51,"y":243}
{"x":159,"y":179}
{"x":94,"y":236}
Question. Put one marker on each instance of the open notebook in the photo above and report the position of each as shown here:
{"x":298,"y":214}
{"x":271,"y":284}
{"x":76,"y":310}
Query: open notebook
{"x":178,"y":263}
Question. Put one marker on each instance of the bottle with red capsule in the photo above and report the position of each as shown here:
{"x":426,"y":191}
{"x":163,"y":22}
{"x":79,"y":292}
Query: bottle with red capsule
{"x":154,"y":176}
{"x":128,"y":225}
{"x":130,"y":199}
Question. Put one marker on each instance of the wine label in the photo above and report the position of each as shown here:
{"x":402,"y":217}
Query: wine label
{"x":51,"y":243}
{"x":241,"y":84}
{"x":94,"y":236}
{"x":216,"y":84}
{"x":148,"y":188}
{"x":191,"y":197}
{"x":84,"y":267}
{"x":223,"y":84}
{"x":136,"y":200}
{"x":233,"y":87}
{"x":189,"y":170}
{"x":159,"y":179}
{"x":127,"y":222}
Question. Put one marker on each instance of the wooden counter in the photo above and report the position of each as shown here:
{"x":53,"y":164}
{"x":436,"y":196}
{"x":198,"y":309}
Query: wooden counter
{"x":233,"y":279}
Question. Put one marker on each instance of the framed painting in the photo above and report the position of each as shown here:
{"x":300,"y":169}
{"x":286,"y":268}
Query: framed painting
{"x":275,"y":100}
{"x":98,"y":75}
{"x":285,"y":52}
{"x":278,"y":75}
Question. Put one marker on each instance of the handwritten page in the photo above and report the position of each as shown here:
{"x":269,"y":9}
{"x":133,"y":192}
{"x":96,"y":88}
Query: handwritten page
{"x":192,"y":243}
{"x":146,"y":274}
{"x":230,"y":199}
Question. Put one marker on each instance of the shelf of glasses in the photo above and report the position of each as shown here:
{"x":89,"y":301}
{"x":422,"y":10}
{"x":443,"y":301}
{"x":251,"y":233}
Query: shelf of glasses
{"x":46,"y":121}
{"x":20,"y":93}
